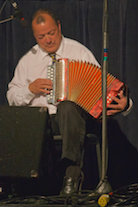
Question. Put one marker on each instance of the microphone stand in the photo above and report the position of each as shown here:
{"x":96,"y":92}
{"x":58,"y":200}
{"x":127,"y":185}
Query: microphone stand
{"x":104,"y":186}
{"x":6,"y":20}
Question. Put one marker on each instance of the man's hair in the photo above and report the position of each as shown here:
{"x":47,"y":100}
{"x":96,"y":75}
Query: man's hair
{"x":40,"y":18}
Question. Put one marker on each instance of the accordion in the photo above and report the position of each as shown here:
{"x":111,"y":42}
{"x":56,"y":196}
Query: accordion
{"x":81,"y":82}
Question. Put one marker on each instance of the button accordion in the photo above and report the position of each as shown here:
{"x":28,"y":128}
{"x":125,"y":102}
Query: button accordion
{"x":81,"y":82}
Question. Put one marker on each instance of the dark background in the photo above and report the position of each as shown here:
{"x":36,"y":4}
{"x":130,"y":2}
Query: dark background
{"x":82,"y":20}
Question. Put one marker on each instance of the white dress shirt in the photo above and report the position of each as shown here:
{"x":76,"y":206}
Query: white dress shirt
{"x":34,"y":65}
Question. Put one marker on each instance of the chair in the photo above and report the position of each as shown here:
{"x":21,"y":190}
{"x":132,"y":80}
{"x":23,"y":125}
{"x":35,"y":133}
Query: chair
{"x":95,"y":141}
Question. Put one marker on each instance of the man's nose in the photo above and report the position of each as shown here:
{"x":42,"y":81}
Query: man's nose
{"x":47,"y":39}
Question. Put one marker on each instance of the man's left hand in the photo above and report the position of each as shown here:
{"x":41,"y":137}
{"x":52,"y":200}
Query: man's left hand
{"x":120,"y":105}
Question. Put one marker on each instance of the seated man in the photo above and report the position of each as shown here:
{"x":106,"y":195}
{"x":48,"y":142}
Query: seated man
{"x":30,"y":86}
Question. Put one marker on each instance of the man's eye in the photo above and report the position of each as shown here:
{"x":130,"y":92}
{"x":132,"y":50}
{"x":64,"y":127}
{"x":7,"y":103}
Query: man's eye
{"x":52,"y":33}
{"x":41,"y":37}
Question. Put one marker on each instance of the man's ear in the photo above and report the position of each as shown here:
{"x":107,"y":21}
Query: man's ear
{"x":59,"y":25}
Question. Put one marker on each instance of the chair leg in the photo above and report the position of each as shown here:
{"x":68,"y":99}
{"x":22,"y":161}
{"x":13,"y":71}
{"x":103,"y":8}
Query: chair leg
{"x":96,"y":141}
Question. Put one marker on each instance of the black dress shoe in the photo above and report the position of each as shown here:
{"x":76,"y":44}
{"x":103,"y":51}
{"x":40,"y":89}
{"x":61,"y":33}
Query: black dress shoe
{"x":72,"y":181}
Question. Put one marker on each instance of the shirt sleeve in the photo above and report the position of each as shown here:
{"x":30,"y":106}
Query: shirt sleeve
{"x":125,"y":113}
{"x":18,"y":93}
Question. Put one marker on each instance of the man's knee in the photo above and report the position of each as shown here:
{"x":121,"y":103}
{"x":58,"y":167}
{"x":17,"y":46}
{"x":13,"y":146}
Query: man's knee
{"x":66,"y":106}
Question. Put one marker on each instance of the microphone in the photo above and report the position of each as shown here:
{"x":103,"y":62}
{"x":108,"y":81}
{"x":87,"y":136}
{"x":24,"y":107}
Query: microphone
{"x":18,"y":13}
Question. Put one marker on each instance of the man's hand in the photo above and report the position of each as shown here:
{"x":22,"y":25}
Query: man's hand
{"x":120,"y":105}
{"x":41,"y":85}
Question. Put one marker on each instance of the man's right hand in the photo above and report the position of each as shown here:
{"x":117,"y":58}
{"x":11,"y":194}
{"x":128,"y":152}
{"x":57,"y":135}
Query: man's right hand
{"x":41,"y":85}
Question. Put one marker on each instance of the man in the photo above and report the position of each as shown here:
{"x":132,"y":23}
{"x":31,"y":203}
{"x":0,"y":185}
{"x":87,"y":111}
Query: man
{"x":30,"y":86}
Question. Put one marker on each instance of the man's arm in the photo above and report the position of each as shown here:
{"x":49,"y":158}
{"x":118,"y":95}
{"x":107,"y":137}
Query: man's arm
{"x":18,"y":93}
{"x":23,"y":89}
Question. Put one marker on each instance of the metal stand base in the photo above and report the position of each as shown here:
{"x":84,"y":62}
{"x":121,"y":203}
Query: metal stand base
{"x":103,"y":187}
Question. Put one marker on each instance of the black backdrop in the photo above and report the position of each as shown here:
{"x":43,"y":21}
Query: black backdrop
{"x":82,"y":20}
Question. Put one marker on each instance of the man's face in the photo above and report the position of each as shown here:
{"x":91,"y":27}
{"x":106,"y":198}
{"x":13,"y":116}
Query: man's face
{"x":47,"y":34}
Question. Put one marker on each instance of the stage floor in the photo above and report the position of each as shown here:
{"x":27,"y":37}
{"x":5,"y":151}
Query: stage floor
{"x":49,"y":205}
{"x":58,"y":201}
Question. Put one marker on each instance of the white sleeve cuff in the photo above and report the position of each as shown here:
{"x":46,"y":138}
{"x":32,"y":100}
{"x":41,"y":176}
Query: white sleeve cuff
{"x":125,"y":113}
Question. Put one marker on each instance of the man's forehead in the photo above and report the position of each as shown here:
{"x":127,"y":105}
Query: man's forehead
{"x":43,"y":28}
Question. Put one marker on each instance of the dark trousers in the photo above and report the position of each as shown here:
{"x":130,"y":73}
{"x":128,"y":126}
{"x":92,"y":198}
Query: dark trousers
{"x":72,"y":123}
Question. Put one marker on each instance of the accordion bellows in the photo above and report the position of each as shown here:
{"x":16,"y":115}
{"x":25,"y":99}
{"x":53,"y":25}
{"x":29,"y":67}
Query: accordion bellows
{"x":81,"y":83}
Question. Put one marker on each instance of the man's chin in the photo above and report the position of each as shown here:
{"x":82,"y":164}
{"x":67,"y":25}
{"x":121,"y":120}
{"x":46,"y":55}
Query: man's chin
{"x":49,"y":50}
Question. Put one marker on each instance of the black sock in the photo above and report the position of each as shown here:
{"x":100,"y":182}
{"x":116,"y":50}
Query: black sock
{"x":66,"y":163}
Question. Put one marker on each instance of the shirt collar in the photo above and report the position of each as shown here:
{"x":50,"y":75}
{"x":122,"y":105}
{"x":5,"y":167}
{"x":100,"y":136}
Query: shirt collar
{"x":42,"y":53}
{"x":59,"y":53}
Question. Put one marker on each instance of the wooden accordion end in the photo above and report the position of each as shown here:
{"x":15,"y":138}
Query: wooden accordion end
{"x":81,"y":83}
